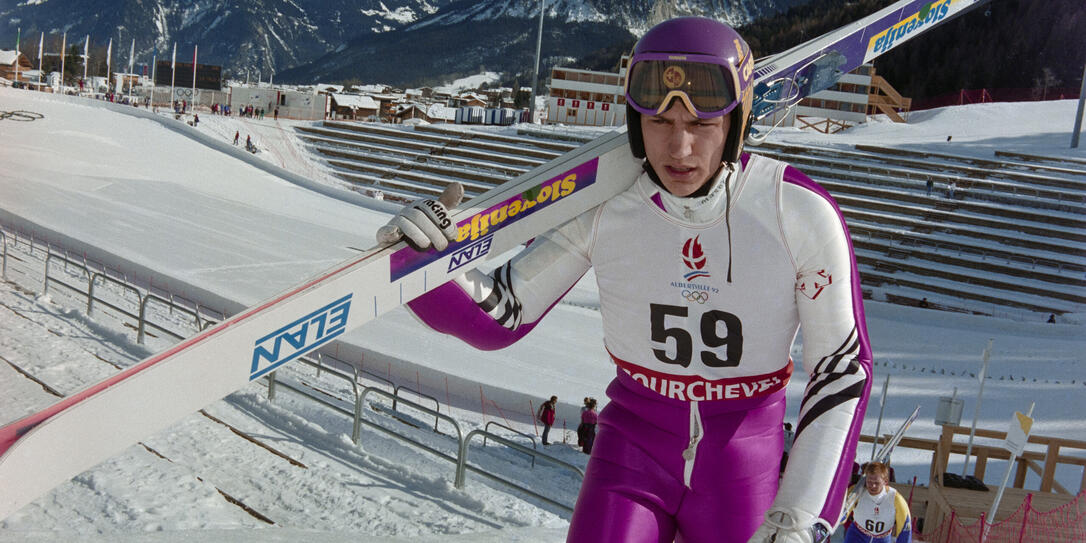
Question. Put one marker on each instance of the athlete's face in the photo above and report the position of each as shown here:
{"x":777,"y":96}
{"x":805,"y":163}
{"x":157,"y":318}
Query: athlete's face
{"x":874,"y":484}
{"x":683,"y":150}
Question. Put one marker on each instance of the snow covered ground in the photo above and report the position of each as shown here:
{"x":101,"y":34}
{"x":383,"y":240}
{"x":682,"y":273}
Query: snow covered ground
{"x":176,"y":213}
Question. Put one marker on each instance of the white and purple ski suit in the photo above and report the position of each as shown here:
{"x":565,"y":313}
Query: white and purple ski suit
{"x":701,"y":299}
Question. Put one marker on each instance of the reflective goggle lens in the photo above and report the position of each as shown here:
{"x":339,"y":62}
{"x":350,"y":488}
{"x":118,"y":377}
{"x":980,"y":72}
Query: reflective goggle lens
{"x":707,"y":86}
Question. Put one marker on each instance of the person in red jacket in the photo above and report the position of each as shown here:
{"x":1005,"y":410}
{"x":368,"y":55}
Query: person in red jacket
{"x":546,"y":416}
{"x":587,"y":430}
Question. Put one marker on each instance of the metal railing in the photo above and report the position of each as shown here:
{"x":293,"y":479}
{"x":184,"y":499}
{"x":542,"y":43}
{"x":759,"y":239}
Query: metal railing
{"x":462,"y":465}
{"x":396,"y":398}
{"x":115,"y":282}
{"x":91,"y":284}
{"x":67,"y":262}
{"x":201,"y":324}
{"x":359,"y":420}
{"x":460,"y":460}
{"x":530,"y":437}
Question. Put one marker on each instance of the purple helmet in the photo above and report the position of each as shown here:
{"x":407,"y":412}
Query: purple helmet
{"x":704,"y":64}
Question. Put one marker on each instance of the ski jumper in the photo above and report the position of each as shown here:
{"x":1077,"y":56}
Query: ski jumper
{"x":701,"y":299}
{"x":880,"y":519}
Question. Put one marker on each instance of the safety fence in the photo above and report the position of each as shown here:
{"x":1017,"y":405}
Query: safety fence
{"x":103,"y":291}
{"x":1063,"y":524}
{"x":78,"y":278}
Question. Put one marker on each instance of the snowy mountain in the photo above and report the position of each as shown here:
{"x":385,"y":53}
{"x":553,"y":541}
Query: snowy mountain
{"x":266,"y":35}
{"x":501,"y":35}
{"x":390,"y":41}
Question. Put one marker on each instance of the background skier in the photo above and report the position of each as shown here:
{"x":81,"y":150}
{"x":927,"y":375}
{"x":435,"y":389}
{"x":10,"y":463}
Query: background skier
{"x":881,"y":514}
{"x":706,"y":267}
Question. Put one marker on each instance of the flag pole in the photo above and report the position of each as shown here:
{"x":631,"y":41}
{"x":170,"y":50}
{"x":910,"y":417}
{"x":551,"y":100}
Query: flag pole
{"x":195,"y":48}
{"x":976,"y":412}
{"x":41,"y":45}
{"x":18,"y":38}
{"x":154,"y":72}
{"x":131,"y":64}
{"x":109,"y":64}
{"x":173,"y":72}
{"x":86,"y":57}
{"x":63,"y":46}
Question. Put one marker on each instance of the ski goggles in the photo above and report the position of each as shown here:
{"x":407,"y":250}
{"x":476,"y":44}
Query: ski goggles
{"x":708,"y":86}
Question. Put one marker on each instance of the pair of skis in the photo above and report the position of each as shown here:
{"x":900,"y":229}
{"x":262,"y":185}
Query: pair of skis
{"x":47,"y":448}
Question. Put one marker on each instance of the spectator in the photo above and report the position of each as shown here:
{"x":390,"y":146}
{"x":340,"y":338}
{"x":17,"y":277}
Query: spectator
{"x":580,"y":437}
{"x":277,"y":114}
{"x":950,"y":190}
{"x":586,"y":432}
{"x":929,"y":185}
{"x":1051,"y":318}
{"x":923,"y":303}
{"x":237,"y":134}
{"x":546,"y":416}
{"x":195,"y":119}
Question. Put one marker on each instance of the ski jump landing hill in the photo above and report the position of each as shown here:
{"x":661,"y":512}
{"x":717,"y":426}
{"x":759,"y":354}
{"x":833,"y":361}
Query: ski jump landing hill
{"x":196,"y":217}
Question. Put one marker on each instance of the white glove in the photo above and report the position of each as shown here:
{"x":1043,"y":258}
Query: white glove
{"x":425,"y":223}
{"x":790,"y":526}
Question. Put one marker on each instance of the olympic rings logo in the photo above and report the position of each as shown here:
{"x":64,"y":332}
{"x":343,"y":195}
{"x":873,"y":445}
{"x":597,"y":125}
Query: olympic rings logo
{"x":696,"y":296}
{"x":20,"y":115}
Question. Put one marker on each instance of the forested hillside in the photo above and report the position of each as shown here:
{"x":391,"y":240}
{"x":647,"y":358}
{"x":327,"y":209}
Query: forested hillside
{"x":1005,"y":44}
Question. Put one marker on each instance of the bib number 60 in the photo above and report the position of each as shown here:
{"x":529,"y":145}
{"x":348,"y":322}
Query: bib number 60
{"x":710,"y":336}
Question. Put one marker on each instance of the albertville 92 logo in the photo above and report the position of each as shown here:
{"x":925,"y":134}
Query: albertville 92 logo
{"x":299,"y":337}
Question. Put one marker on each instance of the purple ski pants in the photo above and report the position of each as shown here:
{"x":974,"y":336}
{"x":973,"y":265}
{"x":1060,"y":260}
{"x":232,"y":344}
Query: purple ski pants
{"x":634,"y":488}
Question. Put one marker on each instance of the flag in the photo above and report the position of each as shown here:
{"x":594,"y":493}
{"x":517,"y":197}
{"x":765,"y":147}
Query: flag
{"x":194,"y":49}
{"x":109,"y":52}
{"x":18,"y":40}
{"x":63,"y":56}
{"x":86,"y":55}
{"x":173,"y":70}
{"x":132,"y":55}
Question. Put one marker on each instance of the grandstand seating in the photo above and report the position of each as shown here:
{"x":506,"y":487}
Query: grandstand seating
{"x":1010,"y":242}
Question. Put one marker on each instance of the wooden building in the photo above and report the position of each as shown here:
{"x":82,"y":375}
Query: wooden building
{"x":12,"y":62}
{"x":356,"y":107}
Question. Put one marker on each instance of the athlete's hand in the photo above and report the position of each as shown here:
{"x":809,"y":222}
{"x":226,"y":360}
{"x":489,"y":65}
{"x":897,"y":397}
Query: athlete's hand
{"x":790,"y":526}
{"x":425,"y":223}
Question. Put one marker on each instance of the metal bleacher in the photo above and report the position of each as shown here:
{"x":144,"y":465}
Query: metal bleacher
{"x":1010,"y":242}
